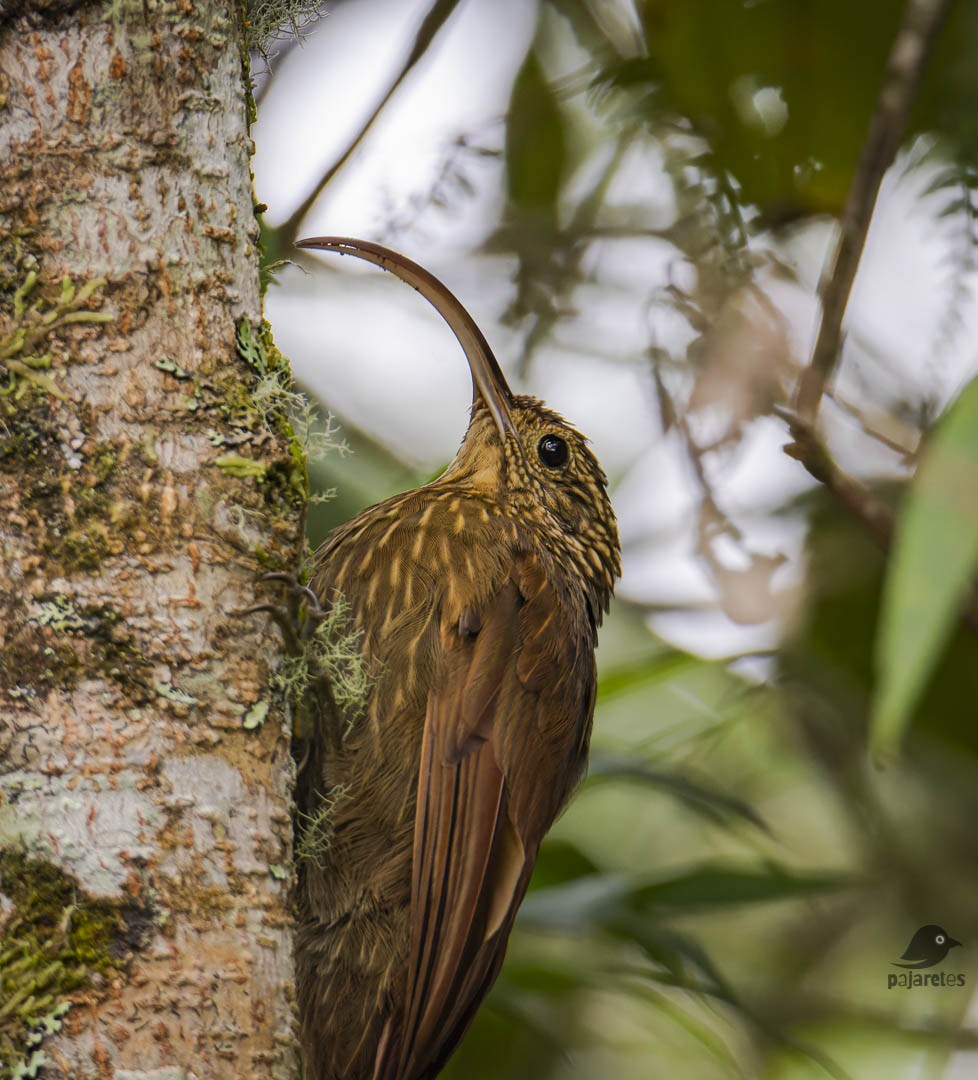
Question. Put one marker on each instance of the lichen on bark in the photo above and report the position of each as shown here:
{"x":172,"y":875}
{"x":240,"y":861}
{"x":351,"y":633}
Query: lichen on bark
{"x":56,"y":942}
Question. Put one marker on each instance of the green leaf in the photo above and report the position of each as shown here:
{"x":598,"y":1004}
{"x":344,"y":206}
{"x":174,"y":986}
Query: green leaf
{"x":624,"y":678}
{"x":783,"y":91}
{"x":611,"y":901}
{"x":577,"y":905}
{"x":935,"y":554}
{"x":536,"y":149}
{"x":721,"y":886}
{"x":560,"y":861}
{"x":701,"y":797}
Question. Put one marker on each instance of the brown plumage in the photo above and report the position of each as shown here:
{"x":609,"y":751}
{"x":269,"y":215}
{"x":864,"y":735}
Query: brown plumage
{"x":478,"y":598}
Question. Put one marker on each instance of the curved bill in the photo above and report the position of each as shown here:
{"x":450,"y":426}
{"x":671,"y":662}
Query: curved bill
{"x":487,"y":377}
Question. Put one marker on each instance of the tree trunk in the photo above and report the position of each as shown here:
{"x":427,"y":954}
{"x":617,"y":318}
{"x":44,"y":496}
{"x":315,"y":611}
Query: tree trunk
{"x":148,"y":474}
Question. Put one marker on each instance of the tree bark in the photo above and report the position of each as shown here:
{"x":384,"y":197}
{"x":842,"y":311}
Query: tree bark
{"x":147,"y":475}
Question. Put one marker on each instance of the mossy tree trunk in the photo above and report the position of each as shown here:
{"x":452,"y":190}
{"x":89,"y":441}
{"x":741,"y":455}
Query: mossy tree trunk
{"x":147,"y":476}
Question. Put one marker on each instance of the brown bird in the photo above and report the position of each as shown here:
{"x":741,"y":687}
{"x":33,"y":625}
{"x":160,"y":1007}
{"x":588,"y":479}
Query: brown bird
{"x":477,"y":600}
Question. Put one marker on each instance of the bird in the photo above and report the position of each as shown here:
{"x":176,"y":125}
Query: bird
{"x":928,"y":946}
{"x":475,"y":601}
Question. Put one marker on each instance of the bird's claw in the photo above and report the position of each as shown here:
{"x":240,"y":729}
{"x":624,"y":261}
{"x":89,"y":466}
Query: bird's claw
{"x":287,"y":617}
{"x":296,"y":590}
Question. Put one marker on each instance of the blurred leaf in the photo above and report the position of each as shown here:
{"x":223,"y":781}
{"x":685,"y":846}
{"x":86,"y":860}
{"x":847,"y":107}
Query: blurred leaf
{"x":509,"y":1039}
{"x":783,"y":91}
{"x":638,"y":674}
{"x":560,"y":861}
{"x":535,"y":144}
{"x":947,"y":101}
{"x":676,"y":953}
{"x":697,"y":796}
{"x":826,"y":670}
{"x":935,"y":554}
{"x":720,"y":886}
{"x":547,"y":977}
{"x":582,"y":904}
{"x":272,"y":255}
{"x":604,"y":900}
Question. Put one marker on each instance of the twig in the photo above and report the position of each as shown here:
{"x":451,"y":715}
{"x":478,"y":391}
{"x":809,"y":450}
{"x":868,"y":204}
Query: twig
{"x":807,"y":448}
{"x":438,"y":14}
{"x":903,"y":450}
{"x":858,"y":499}
{"x":921,"y":23}
{"x":569,"y":240}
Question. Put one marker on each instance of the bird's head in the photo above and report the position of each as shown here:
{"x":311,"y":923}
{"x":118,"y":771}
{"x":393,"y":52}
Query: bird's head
{"x":543,"y":472}
{"x":521,"y":454}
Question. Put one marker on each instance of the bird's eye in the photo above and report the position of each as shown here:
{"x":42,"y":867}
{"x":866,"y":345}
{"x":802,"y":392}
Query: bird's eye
{"x":553,"y":451}
{"x":939,"y":939}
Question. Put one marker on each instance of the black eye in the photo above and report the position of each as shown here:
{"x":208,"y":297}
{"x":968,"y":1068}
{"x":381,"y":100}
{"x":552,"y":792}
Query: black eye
{"x":553,"y":451}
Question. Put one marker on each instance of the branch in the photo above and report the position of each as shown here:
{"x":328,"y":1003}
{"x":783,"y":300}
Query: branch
{"x":438,"y":14}
{"x":807,"y":448}
{"x":921,"y":23}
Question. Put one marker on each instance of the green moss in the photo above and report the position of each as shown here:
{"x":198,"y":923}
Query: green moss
{"x":268,"y":402}
{"x":24,"y":427}
{"x":251,"y":409}
{"x":85,"y":549}
{"x":72,"y":503}
{"x":286,"y":410}
{"x":242,"y":467}
{"x":53,"y":943}
{"x":56,"y":641}
{"x":35,"y":312}
{"x":103,"y":463}
{"x":116,"y":656}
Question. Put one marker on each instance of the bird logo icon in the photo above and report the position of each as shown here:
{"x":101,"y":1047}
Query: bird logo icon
{"x":927,"y":947}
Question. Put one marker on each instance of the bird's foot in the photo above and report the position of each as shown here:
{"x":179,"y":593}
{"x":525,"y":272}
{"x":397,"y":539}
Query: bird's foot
{"x":300,"y":614}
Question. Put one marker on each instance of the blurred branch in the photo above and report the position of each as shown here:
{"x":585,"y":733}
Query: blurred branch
{"x":697,"y":795}
{"x":921,"y":23}
{"x":901,"y":447}
{"x":572,"y":243}
{"x":438,"y":14}
{"x":451,"y":181}
{"x":812,"y":1008}
{"x":912,"y":46}
{"x":807,"y":448}
{"x":720,"y":991}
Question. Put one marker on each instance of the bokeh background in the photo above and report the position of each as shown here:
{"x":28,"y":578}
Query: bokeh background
{"x":636,"y":201}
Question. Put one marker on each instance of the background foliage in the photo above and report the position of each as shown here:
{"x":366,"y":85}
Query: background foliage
{"x":761,"y":832}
